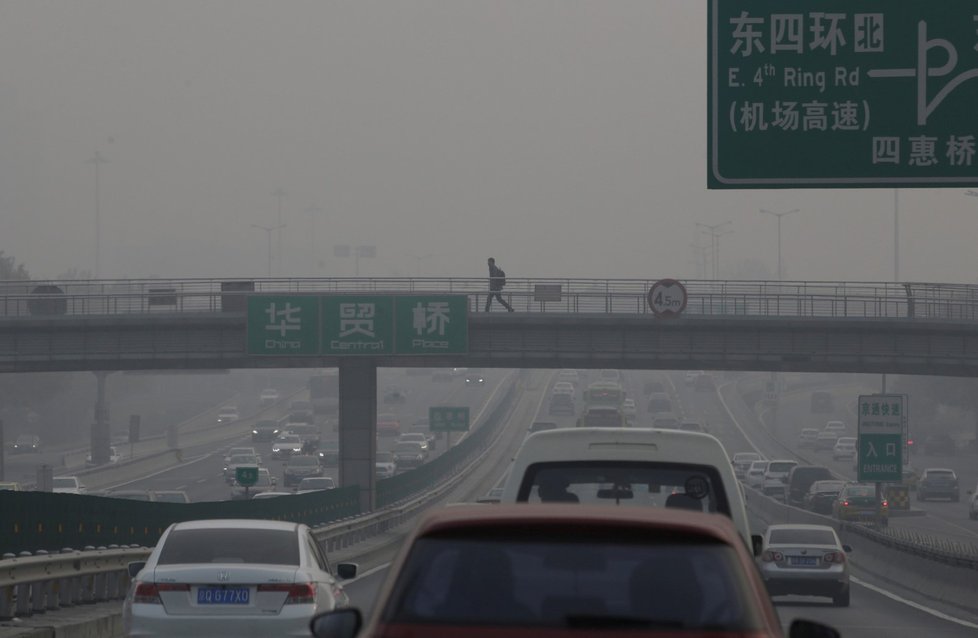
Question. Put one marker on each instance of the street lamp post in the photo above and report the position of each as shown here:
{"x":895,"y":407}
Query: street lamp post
{"x":313,"y":211}
{"x":268,"y":235}
{"x":779,"y":216}
{"x":279,"y":195}
{"x":96,"y":160}
{"x":715,"y":231}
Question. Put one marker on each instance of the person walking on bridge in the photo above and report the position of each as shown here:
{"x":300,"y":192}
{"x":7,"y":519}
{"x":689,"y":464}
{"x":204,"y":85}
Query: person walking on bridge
{"x":497,"y":279}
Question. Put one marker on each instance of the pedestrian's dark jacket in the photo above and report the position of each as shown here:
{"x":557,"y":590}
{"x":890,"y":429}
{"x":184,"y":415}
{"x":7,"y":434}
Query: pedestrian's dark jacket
{"x":496,"y":276}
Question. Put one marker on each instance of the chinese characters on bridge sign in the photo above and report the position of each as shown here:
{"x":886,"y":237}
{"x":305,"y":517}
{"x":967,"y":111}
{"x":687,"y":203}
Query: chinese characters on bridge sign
{"x":843,"y":93}
{"x":432,"y":325}
{"x":358,"y":325}
{"x":283,"y":325}
{"x":880,"y":443}
{"x":340,"y":325}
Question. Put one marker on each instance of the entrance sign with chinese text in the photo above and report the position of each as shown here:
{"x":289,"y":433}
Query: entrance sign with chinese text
{"x":342,"y":325}
{"x":842,"y":93}
{"x":880,"y":441}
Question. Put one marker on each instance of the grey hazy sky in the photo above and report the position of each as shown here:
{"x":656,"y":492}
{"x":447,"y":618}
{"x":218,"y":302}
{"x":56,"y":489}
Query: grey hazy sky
{"x":564,"y":138}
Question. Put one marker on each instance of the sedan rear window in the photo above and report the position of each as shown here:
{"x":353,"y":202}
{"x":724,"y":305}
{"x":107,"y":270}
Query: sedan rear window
{"x":595,"y":583}
{"x":802,"y":537}
{"x":230,"y":545}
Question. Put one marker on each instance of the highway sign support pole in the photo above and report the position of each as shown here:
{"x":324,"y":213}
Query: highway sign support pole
{"x":358,"y":427}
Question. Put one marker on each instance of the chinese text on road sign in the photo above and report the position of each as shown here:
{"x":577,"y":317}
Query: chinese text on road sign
{"x":880,"y":443}
{"x":843,"y":93}
{"x":357,"y":324}
{"x":448,"y":419}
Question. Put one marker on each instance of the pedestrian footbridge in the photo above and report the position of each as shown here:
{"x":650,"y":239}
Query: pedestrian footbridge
{"x":906,"y":328}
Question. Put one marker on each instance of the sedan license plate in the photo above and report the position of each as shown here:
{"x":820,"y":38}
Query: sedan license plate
{"x":223,"y":596}
{"x":804,"y":561}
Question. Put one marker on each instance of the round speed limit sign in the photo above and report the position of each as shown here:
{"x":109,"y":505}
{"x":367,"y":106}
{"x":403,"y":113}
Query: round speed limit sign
{"x":667,"y":298}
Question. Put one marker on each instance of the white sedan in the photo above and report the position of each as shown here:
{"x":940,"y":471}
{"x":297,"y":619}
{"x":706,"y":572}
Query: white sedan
{"x":232,"y":578}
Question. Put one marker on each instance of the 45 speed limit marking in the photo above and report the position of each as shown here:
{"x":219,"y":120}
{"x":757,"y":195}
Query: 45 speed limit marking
{"x":667,"y":298}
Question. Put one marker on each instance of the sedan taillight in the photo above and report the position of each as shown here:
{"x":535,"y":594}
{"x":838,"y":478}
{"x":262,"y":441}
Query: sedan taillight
{"x":298,"y":593}
{"x":834,"y":557}
{"x":149,"y":593}
{"x":771,"y":556}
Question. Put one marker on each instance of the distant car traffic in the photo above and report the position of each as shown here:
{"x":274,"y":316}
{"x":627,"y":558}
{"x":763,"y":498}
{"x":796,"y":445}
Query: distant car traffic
{"x":821,"y":495}
{"x":286,"y":445}
{"x":415,"y":437}
{"x":239,"y":460}
{"x":394,"y":396}
{"x":800,"y":478}
{"x":408,"y":455}
{"x":26,"y":443}
{"x":775,"y":478}
{"x":845,"y":448}
{"x":807,"y":560}
{"x":114,"y":457}
{"x":562,"y":404}
{"x":384,"y":466}
{"x":741,"y":462}
{"x":299,"y":467}
{"x":858,"y":503}
{"x":228,"y":414}
{"x":268,"y":396}
{"x":755,"y":474}
{"x":938,"y":482}
{"x":474,"y":379}
{"x":264,"y":431}
{"x":329,"y":453}
{"x":826,"y":440}
{"x":315,"y":484}
{"x":67,"y":485}
{"x":806,"y":437}
{"x":232,"y":578}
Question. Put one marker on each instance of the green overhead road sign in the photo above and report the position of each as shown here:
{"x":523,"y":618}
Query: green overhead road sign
{"x":358,"y":325}
{"x":432,"y":325}
{"x":842,"y":93}
{"x":283,"y":324}
{"x":880,"y":440}
{"x":246,"y":476}
{"x":342,"y":325}
{"x":448,"y":419}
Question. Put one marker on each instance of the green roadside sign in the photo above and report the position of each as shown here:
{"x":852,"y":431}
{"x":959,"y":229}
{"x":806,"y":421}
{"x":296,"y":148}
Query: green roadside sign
{"x":448,"y":419}
{"x":246,"y":476}
{"x":842,"y":93}
{"x":358,"y":325}
{"x":880,"y":438}
{"x":283,"y":325}
{"x":428,"y":324}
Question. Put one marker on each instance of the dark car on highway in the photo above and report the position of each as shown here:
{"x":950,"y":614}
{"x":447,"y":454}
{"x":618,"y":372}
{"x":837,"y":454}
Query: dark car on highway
{"x":801,"y":478}
{"x":821,"y":495}
{"x":562,"y":404}
{"x":26,"y":443}
{"x":264,"y":431}
{"x":939,"y":482}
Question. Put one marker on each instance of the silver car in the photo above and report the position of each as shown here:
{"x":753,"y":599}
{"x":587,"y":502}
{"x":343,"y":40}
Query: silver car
{"x":806,"y":560}
{"x":232,"y":578}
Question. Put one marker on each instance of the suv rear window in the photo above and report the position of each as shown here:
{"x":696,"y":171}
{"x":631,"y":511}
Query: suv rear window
{"x":631,"y":483}
{"x":780,"y":467}
{"x":230,"y":545}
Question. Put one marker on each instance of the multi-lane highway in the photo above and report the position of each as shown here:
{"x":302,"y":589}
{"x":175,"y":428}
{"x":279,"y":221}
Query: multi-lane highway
{"x":877,"y":607}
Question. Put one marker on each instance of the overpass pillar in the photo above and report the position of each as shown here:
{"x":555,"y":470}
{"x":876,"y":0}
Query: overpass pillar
{"x":358,"y":427}
{"x":100,"y":428}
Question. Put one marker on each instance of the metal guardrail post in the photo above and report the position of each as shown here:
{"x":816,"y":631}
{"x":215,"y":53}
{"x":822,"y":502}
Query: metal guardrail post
{"x":23,"y":607}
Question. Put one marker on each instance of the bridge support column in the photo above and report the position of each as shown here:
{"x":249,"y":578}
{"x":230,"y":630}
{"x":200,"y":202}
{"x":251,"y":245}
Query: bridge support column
{"x":358,"y":427}
{"x":100,"y":427}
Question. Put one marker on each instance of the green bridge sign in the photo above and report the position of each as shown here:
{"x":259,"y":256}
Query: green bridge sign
{"x":349,"y":325}
{"x":842,"y":93}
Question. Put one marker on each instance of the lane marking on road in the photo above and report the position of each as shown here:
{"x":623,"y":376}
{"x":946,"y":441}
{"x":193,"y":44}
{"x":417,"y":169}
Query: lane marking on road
{"x":911,"y":603}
